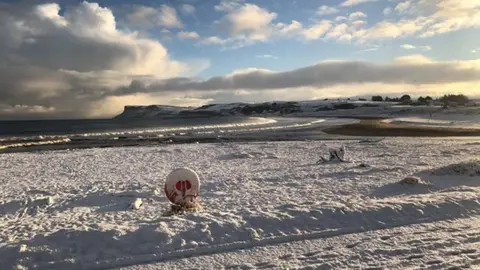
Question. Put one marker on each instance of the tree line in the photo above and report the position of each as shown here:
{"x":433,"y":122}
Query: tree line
{"x":445,"y":100}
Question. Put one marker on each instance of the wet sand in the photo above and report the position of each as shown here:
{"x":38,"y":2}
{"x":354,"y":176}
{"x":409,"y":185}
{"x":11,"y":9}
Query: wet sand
{"x":375,"y":127}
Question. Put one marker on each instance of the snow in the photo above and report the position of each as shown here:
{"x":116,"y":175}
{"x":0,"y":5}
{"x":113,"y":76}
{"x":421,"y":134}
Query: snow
{"x":265,"y":205}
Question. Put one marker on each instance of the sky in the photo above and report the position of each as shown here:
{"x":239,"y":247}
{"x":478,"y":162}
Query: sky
{"x":73,"y":59}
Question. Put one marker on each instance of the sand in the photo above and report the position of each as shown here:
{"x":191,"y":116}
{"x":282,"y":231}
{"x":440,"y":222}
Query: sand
{"x":377,"y":127}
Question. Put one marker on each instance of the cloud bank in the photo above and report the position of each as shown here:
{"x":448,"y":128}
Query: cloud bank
{"x":413,"y":70}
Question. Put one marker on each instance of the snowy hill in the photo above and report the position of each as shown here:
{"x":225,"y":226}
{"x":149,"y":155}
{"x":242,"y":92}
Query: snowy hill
{"x":278,"y":108}
{"x":315,"y":108}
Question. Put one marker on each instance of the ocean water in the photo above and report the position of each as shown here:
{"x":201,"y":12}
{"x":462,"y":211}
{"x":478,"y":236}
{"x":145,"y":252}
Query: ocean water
{"x":32,"y":128}
{"x":18,"y":136}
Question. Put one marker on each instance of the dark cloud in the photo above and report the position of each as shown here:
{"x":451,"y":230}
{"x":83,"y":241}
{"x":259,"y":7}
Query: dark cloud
{"x":320,"y":76}
{"x":60,"y":62}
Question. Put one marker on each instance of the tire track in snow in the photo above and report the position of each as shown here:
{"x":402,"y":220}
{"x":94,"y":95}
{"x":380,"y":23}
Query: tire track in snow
{"x":459,"y":209}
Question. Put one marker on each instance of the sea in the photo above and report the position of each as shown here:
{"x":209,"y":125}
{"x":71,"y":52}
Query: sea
{"x":32,"y":135}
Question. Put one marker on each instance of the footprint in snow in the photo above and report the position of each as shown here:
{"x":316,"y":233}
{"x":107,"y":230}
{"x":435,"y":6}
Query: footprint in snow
{"x":434,"y":262}
{"x":453,"y":253}
{"x":310,"y":254}
{"x":352,"y":245}
{"x":453,"y":230}
{"x":265,"y":265}
{"x":386,"y":237}
{"x":329,"y":256}
{"x":433,"y":239}
{"x":474,"y":257}
{"x":415,"y":242}
{"x":285,"y":257}
{"x":311,"y":260}
{"x":415,"y":256}
{"x":468,"y":251}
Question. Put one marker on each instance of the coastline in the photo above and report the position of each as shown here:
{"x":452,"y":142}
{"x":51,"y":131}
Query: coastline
{"x":363,"y":127}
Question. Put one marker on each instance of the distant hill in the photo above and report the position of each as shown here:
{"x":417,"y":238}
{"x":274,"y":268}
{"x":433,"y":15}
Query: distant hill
{"x":278,"y":108}
{"x":315,"y":108}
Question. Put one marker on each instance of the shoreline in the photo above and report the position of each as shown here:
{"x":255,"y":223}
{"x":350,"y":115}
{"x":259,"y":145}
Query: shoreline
{"x":377,"y":128}
{"x":365,"y":127}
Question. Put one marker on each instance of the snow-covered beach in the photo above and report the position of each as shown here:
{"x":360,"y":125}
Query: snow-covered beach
{"x":266,"y":205}
{"x":283,"y":121}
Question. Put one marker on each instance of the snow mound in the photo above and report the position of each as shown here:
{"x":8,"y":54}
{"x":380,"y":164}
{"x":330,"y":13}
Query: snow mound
{"x":468,"y":168}
{"x":411,"y":180}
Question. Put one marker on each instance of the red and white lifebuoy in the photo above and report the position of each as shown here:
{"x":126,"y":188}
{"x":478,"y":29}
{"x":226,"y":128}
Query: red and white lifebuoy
{"x":182,"y":186}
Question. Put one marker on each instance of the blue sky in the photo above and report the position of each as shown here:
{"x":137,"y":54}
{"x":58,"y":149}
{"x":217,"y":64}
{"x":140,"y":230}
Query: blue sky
{"x":291,"y":53}
{"x":66,"y":58}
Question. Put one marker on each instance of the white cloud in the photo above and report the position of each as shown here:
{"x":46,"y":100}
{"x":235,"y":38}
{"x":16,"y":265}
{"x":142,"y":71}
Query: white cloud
{"x":187,"y":9}
{"x":51,"y":12}
{"x":246,"y":24}
{"x":357,"y":15}
{"x":143,"y":16}
{"x":346,"y":31}
{"x":188,"y":35}
{"x":168,"y":17}
{"x":387,"y":29}
{"x":267,"y":56}
{"x":326,"y":10}
{"x":387,"y":11}
{"x":419,"y":18}
{"x":213,"y":40}
{"x":247,"y":21}
{"x":371,"y":48}
{"x":166,"y":31}
{"x":287,"y":29}
{"x":227,"y":6}
{"x":149,"y":17}
{"x":350,"y":3}
{"x":425,"y":48}
{"x":408,"y":47}
{"x":316,"y":30}
{"x":340,"y":32}
{"x":452,"y":15}
{"x":412,"y":47}
{"x":403,"y":6}
{"x":92,"y":57}
{"x":414,"y":59}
